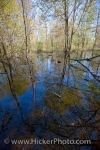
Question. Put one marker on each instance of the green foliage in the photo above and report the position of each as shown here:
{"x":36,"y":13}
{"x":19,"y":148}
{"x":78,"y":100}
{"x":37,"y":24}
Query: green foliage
{"x":3,"y":3}
{"x":39,"y":46}
{"x":8,"y":6}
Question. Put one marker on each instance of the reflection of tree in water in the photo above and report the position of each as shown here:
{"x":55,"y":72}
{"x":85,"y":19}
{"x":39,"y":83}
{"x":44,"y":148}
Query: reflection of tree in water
{"x":85,"y":122}
{"x":79,"y":123}
{"x":78,"y":117}
{"x":71,"y":106}
{"x":64,"y":115}
{"x":5,"y":120}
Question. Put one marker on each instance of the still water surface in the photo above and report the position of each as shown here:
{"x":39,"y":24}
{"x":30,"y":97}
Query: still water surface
{"x":54,"y":107}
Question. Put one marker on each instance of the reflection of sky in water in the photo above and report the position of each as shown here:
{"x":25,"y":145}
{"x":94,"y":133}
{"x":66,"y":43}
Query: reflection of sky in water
{"x":46,"y":69}
{"x":33,"y":99}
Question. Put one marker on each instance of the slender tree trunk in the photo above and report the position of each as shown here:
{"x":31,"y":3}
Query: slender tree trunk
{"x":66,"y":25}
{"x":26,"y":44}
{"x":66,"y":36}
{"x":96,"y":32}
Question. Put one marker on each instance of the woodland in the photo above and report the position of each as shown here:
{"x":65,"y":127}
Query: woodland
{"x":49,"y":73}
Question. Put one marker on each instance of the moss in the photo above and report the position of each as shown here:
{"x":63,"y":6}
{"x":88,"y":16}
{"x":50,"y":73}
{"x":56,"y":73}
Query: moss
{"x":68,"y":99}
{"x":95,"y":89}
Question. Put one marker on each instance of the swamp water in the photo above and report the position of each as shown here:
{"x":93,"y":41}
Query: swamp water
{"x":54,"y":107}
